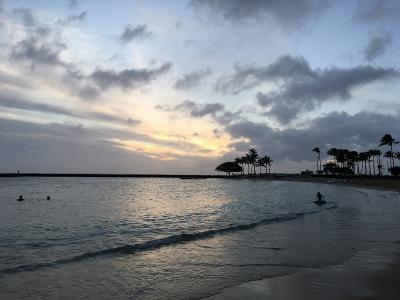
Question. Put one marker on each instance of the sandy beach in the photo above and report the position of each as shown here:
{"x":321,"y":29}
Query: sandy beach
{"x":370,"y":274}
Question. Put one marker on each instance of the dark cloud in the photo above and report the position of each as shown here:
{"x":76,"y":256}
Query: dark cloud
{"x":360,"y":132}
{"x":130,"y":33}
{"x":287,"y":13}
{"x":37,"y":52}
{"x":295,"y":96}
{"x":113,"y":118}
{"x":197,"y":110}
{"x":192,"y":79}
{"x":377,"y":10}
{"x":41,"y":45}
{"x":18,"y":102}
{"x":127,"y":79}
{"x":377,"y":46}
{"x":300,"y":88}
{"x":285,"y":67}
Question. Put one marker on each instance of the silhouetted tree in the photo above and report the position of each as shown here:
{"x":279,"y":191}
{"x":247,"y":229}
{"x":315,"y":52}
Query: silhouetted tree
{"x":253,"y":156}
{"x":388,"y":140}
{"x":229,"y":167}
{"x":240,"y":161}
{"x":260,"y":163}
{"x":395,"y":171}
{"x":268,"y":163}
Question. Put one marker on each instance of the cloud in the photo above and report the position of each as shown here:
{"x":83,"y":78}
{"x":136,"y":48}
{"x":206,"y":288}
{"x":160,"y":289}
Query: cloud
{"x":130,"y":33}
{"x":299,"y":87}
{"x":7,"y":79}
{"x":26,"y":16}
{"x":360,"y":132}
{"x":36,"y":52}
{"x":41,"y":45}
{"x":18,"y":102}
{"x":195,"y":109}
{"x":288,"y":14}
{"x":80,"y":17}
{"x":217,"y":111}
{"x":377,"y":10}
{"x":326,"y":85}
{"x":192,"y":79}
{"x":285,"y":67}
{"x":128,"y":78}
{"x":377,"y":46}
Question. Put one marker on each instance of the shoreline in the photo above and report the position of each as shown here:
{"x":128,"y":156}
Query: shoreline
{"x":377,"y":183}
{"x":369,"y":274}
{"x":382,"y":184}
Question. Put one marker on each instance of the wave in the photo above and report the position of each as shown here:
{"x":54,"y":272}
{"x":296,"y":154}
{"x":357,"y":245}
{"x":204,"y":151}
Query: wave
{"x":154,"y":244}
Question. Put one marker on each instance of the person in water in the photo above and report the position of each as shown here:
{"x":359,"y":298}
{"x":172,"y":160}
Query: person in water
{"x":320,"y":197}
{"x":20,"y":198}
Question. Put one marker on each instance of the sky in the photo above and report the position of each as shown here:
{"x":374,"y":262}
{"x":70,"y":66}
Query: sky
{"x":178,"y":87}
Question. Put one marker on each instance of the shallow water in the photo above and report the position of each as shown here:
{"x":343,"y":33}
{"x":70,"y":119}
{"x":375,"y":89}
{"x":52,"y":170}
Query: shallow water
{"x":147,"y":238}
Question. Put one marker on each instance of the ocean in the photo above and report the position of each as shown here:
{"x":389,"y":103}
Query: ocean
{"x":167,"y":238}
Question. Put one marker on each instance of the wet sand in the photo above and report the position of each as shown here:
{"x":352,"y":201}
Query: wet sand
{"x":370,"y":274}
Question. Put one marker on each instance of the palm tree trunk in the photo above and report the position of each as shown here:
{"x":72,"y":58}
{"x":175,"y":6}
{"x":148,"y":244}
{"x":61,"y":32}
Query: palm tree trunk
{"x":391,"y":157}
{"x":373,"y":162}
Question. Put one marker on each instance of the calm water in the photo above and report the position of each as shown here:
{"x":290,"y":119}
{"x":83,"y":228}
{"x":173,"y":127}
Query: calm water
{"x":138,"y":238}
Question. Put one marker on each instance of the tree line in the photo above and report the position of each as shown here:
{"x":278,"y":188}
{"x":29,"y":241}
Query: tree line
{"x":251,"y":161}
{"x":362,"y":163}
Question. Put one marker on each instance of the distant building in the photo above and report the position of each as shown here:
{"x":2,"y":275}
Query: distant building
{"x":307,"y":172}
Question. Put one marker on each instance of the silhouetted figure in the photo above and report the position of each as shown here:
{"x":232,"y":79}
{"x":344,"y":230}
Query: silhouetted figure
{"x":20,"y":198}
{"x":18,"y":172}
{"x":320,"y":199}
{"x":48,"y":198}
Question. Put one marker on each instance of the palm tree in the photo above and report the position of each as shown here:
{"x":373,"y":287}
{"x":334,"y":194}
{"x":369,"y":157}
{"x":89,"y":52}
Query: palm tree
{"x":247,"y":162}
{"x":260,"y":163}
{"x":268,"y":162}
{"x":396,"y":155}
{"x":239,"y":161}
{"x":363,"y":158}
{"x":370,"y":155}
{"x":253,"y":156}
{"x":316,"y":150}
{"x":379,"y":153}
{"x":333,"y":152}
{"x":376,"y":153}
{"x":352,"y":159}
{"x":390,"y":155}
{"x":388,"y":140}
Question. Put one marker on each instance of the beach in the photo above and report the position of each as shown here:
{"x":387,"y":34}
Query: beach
{"x":370,"y":274}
